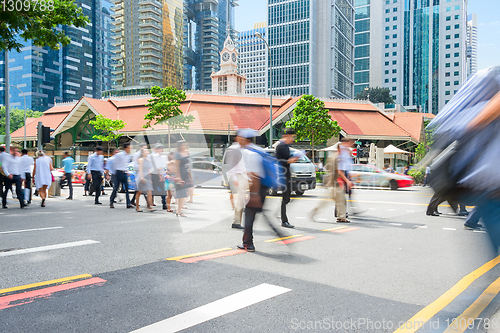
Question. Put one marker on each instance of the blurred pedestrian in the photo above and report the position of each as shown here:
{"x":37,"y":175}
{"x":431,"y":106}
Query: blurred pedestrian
{"x":190,"y":190}
{"x":427,"y":175}
{"x":158,"y":174}
{"x":285,"y":159}
{"x":120,"y":167}
{"x":11,"y":166}
{"x":406,"y":170}
{"x":95,"y":170}
{"x":42,"y":174}
{"x":183,"y":180}
{"x":27,"y":164}
{"x":143,"y":180}
{"x":2,"y":175}
{"x":472,"y":221}
{"x":237,"y":178}
{"x":169,"y":181}
{"x":135,"y":158}
{"x":337,"y":193}
{"x":68,"y":166}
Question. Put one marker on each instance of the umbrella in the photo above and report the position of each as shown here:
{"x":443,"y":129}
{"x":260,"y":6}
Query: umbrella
{"x":390,"y":149}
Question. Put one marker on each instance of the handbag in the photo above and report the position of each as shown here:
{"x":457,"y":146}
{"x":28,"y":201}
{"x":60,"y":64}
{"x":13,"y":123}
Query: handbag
{"x":53,"y":178}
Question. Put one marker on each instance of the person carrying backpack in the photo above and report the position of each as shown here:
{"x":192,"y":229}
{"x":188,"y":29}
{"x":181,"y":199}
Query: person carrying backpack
{"x":285,"y":158}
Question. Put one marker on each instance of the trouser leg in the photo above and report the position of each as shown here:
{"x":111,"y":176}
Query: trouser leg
{"x":433,"y":204}
{"x":490,"y":212}
{"x":7,"y":187}
{"x":239,"y":198}
{"x":286,"y":199}
{"x":338,"y":195}
{"x":68,"y":177}
{"x":250,"y":213}
{"x":1,"y":187}
{"x":123,"y":179}
{"x":97,"y":181}
{"x":19,"y":188}
{"x":116,"y":184}
{"x":473,"y":217}
{"x":27,"y":185}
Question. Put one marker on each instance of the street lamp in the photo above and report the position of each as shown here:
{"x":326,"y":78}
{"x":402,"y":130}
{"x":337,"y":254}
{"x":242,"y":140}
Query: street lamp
{"x":367,"y":93}
{"x":259,"y":35}
{"x":24,"y":112}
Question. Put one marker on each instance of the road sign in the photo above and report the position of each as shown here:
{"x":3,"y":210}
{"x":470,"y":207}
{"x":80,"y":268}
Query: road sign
{"x":354,"y":152}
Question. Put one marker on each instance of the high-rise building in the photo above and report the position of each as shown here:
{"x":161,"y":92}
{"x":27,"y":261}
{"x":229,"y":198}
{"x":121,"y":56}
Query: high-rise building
{"x":312,"y":45}
{"x":207,"y":24}
{"x":82,"y":68}
{"x":253,"y":59}
{"x":471,"y":44}
{"x":148,"y":43}
{"x":422,"y":47}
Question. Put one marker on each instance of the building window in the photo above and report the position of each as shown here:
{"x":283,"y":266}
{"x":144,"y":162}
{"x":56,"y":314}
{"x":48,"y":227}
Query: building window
{"x":386,"y":46}
{"x":448,"y":46}
{"x":387,"y":37}
{"x":448,"y":9}
{"x":457,"y":54}
{"x":386,"y":55}
{"x":457,"y":64}
{"x":395,"y":36}
{"x":457,"y":45}
{"x":395,"y":9}
{"x":456,"y":73}
{"x":394,"y":27}
{"x":448,"y":37}
{"x":457,"y":17}
{"x":457,"y":35}
{"x":387,"y":10}
{"x":446,"y":102}
{"x":447,"y":92}
{"x":457,"y":26}
{"x":387,"y":28}
{"x":394,"y":53}
{"x":456,"y":83}
{"x":394,"y":18}
{"x":457,"y":7}
{"x":386,"y":80}
{"x":387,"y":2}
{"x":394,"y":44}
{"x":447,"y":84}
{"x":394,"y":62}
{"x":387,"y":19}
{"x":448,"y":18}
{"x":394,"y":79}
{"x":447,"y":74}
{"x":387,"y":63}
{"x":393,"y":89}
{"x":386,"y":71}
{"x":447,"y":55}
{"x":447,"y":64}
{"x":448,"y":27}
{"x":394,"y":71}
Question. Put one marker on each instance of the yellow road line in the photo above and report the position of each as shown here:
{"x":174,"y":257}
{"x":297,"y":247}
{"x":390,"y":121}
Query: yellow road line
{"x":199,"y":254}
{"x":336,"y":228}
{"x":282,"y":238}
{"x":418,"y":320}
{"x":461,"y":323}
{"x":45,"y":283}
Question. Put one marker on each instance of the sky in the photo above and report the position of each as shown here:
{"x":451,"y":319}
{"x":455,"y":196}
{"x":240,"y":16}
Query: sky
{"x":252,"y":11}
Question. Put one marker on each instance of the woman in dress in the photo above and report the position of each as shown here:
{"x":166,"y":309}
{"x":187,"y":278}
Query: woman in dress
{"x":42,"y":175}
{"x":182,"y":178}
{"x":143,"y":179}
{"x":169,"y":181}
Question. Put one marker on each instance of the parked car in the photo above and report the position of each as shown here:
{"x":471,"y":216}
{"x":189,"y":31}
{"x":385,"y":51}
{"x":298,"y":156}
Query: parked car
{"x":207,"y":173}
{"x":79,"y":170}
{"x":369,"y":175}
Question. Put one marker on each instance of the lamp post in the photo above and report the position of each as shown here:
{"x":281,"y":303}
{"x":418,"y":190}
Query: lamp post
{"x":24,"y":114}
{"x":367,"y":93}
{"x":259,"y":35}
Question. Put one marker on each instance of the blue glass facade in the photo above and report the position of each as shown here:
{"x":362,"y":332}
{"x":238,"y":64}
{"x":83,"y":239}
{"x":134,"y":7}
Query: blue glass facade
{"x":253,"y":60}
{"x":362,"y":46}
{"x":421,"y":54}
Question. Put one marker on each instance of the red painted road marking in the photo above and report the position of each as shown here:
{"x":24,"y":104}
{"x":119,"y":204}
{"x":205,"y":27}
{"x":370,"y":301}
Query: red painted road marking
{"x":293,"y":240}
{"x":212,"y":256}
{"x":28,"y":297}
{"x":344,"y":230}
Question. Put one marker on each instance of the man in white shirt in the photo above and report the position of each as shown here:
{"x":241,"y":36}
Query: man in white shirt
{"x":159,"y":163}
{"x":12,"y":169}
{"x":27,"y":163}
{"x":95,"y":171}
{"x":2,"y":177}
{"x":237,"y":178}
{"x":120,"y":163}
{"x":135,"y":158}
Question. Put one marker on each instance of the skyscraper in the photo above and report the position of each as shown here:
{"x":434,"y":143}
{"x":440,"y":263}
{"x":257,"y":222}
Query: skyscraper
{"x":422,"y":47}
{"x":148,"y":43}
{"x":311,"y":47}
{"x":471,"y":44}
{"x":82,"y":68}
{"x":207,"y":23}
{"x":253,"y":59}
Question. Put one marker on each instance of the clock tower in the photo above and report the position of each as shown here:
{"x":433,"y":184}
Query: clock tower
{"x":228,"y":80}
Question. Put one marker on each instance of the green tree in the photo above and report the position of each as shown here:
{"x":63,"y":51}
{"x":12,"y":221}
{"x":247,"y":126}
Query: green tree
{"x":16,"y":118}
{"x":420,"y":152}
{"x":164,"y":108}
{"x":38,"y":21}
{"x":311,"y":121}
{"x":376,"y":95}
{"x":110,"y":127}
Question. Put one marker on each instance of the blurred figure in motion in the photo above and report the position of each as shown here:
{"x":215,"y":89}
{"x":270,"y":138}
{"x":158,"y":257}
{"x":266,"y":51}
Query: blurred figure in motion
{"x":169,"y":181}
{"x":67,"y":163}
{"x":472,"y":221}
{"x":337,"y":192}
{"x":427,"y":175}
{"x":285,"y":158}
{"x":436,"y":200}
{"x":27,"y":163}
{"x":120,"y":163}
{"x":237,"y":178}
{"x":190,"y":191}
{"x":135,"y":157}
{"x":95,"y":171}
{"x":42,"y":174}
{"x":345,"y":164}
{"x":11,"y":166}
{"x":143,"y":179}
{"x":157,"y":175}
{"x":183,"y":180}
{"x":2,"y":177}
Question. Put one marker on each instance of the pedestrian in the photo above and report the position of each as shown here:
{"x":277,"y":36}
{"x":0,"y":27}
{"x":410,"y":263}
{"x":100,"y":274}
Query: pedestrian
{"x":190,"y":190}
{"x":2,"y":175}
{"x":11,"y":166}
{"x":42,"y":174}
{"x":285,"y":159}
{"x":159,"y":163}
{"x":436,"y":200}
{"x":120,"y":162}
{"x":68,"y":166}
{"x":169,"y":180}
{"x":135,"y":158}
{"x":143,"y":179}
{"x":255,"y":172}
{"x":345,"y":163}
{"x":406,"y":170}
{"x":472,"y":221}
{"x":237,"y":178}
{"x":27,"y":163}
{"x":183,"y":180}
{"x":427,"y":175}
{"x":337,"y":193}
{"x":95,"y":171}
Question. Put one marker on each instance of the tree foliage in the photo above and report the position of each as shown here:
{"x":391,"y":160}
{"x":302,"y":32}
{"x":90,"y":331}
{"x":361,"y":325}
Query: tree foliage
{"x":38,"y":21}
{"x":377,"y":95}
{"x":164,"y":108}
{"x":311,"y":121}
{"x":16,"y":118}
{"x":420,"y":152}
{"x":109,"y":126}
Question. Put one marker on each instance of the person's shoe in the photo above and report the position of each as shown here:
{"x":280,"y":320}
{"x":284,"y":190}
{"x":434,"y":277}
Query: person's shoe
{"x":464,"y":213}
{"x":287,"y":225}
{"x":4,"y":207}
{"x":85,"y":194}
{"x":472,"y":226}
{"x":130,"y":206}
{"x":249,"y":248}
{"x":23,"y":205}
{"x":432,"y":214}
{"x":97,"y":203}
{"x":343,"y":221}
{"x":103,"y":193}
{"x":69,"y":198}
{"x":111,"y":205}
{"x":237,"y":226}
{"x":165,"y":207}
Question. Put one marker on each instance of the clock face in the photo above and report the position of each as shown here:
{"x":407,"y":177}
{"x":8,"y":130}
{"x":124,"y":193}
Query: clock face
{"x":233,"y":57}
{"x":225,"y":56}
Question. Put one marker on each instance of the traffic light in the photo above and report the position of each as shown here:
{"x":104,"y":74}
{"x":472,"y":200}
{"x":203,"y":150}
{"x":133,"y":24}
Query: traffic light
{"x":46,"y":138}
{"x":361,"y":152}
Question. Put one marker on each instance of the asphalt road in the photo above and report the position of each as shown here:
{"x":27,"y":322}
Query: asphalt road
{"x":390,"y":263}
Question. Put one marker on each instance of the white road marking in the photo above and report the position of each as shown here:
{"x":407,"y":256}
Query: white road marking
{"x":15,"y":231}
{"x":480,"y":231}
{"x":396,"y":223}
{"x":215,"y":309}
{"x":452,"y":229}
{"x":410,"y":211}
{"x":47,"y":248}
{"x":422,"y":226}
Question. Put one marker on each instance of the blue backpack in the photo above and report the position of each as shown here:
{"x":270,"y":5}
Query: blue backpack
{"x":274,"y":176}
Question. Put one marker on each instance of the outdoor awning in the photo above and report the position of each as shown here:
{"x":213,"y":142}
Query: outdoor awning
{"x":390,"y":149}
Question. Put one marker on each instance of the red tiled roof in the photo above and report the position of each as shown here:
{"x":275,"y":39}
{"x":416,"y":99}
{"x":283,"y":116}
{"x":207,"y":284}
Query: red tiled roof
{"x":105,"y":108}
{"x":51,"y":120}
{"x":412,"y":122}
